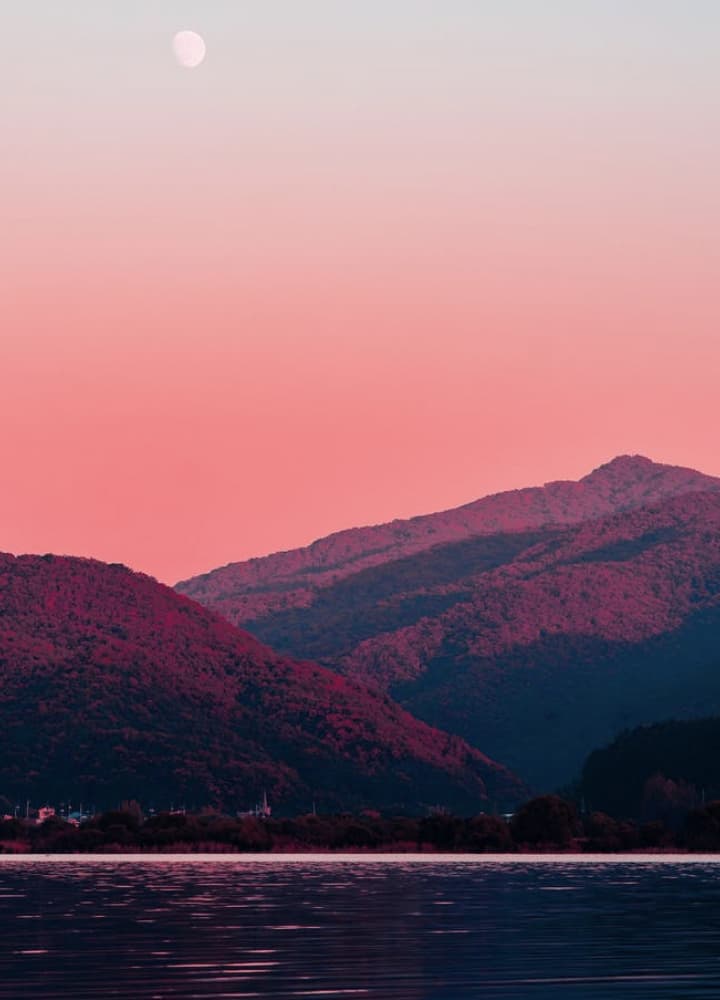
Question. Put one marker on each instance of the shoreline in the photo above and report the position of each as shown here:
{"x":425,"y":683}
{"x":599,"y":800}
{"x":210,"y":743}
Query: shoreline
{"x":348,"y":857}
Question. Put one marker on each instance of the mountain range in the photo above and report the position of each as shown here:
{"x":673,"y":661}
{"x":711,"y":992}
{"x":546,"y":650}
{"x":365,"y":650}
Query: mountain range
{"x":388,"y":667}
{"x":116,"y":687}
{"x":536,"y":623}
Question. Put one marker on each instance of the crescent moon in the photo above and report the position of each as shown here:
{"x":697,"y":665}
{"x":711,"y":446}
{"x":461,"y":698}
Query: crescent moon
{"x":189,"y":49}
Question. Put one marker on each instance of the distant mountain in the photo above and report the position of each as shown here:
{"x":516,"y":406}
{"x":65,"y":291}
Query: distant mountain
{"x":538,"y":643}
{"x":247,"y":592}
{"x":113,"y":686}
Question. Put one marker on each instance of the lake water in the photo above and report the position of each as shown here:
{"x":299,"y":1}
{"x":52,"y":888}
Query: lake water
{"x":396,"y":928}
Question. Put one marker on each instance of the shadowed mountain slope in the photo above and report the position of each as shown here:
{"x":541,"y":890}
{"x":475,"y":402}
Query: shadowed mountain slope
{"x":114,"y":686}
{"x":540,"y":644}
{"x":671,"y":766}
{"x":609,"y":625}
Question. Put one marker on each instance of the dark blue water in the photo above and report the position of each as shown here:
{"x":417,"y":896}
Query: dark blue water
{"x":393,"y":930}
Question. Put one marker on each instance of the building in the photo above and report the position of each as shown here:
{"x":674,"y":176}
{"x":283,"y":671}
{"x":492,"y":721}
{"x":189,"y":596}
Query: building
{"x":261,"y":811}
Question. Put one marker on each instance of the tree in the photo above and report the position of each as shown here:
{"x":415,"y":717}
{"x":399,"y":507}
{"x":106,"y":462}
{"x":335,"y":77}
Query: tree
{"x":547,"y":820}
{"x":117,"y":818}
{"x":667,"y":800}
{"x":702,"y":828}
{"x":486,"y":834}
{"x":602,"y":832}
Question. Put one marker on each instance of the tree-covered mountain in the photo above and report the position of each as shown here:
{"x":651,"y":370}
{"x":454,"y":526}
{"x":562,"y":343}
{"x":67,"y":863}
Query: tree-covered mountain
{"x":253,"y":590}
{"x":537,"y":644}
{"x":114,"y":686}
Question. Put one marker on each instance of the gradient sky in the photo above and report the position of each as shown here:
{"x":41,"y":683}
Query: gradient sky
{"x":371,"y":259}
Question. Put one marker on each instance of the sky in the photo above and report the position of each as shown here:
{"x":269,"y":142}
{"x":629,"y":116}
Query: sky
{"x":372,"y":258}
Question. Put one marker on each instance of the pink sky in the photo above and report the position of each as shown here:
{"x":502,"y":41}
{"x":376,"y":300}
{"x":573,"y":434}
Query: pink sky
{"x":359,"y":265}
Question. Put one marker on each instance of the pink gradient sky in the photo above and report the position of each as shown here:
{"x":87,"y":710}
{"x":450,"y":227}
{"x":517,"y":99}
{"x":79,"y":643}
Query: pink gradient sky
{"x":370,"y":260}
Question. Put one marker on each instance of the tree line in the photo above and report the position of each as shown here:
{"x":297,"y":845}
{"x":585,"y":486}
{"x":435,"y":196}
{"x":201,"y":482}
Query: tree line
{"x":545,"y":823}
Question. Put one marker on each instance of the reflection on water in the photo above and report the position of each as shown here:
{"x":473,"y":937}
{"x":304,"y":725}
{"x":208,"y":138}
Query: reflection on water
{"x":334,"y":928}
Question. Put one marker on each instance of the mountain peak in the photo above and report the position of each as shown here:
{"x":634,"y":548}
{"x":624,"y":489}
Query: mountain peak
{"x":632,"y":461}
{"x":627,"y":473}
{"x":626,"y":465}
{"x":625,"y":470}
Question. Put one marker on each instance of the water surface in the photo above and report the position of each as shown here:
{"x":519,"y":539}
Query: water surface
{"x":391,"y":928}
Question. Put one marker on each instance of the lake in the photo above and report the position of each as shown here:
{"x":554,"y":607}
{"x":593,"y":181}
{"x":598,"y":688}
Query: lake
{"x":391,"y":928}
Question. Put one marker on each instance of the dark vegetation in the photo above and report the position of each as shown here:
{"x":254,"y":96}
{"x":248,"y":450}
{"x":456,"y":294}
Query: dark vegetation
{"x":567,"y":693}
{"x":628,"y":548}
{"x":122,"y":830}
{"x":659,"y":771}
{"x":547,"y":823}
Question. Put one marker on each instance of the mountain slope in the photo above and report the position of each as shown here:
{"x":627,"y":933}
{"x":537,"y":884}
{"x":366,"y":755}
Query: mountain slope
{"x":114,"y":686}
{"x":609,"y":625}
{"x":539,"y":645}
{"x":250,"y":591}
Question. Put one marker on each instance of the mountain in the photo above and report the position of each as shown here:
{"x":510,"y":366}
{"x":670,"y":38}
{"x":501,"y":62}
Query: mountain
{"x":114,"y":686}
{"x":249,"y":591}
{"x":537,"y":643}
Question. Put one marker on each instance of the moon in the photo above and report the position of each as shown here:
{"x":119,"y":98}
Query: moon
{"x":189,"y":48}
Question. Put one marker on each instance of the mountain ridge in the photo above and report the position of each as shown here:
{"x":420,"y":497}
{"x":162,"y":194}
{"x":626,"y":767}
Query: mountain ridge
{"x":245,"y":591}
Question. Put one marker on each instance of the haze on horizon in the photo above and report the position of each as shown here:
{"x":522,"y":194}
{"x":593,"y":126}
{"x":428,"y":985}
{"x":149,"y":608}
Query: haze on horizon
{"x":369,"y":260}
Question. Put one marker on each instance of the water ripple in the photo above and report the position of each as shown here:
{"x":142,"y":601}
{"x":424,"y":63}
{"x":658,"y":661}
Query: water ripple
{"x":387,"y":929}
